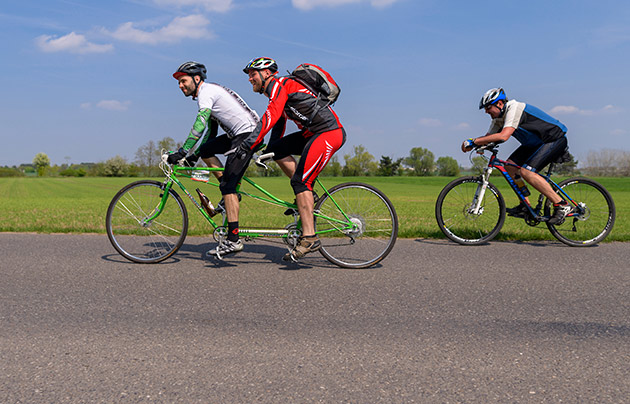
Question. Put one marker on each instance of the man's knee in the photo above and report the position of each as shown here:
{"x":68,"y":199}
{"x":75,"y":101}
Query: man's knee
{"x":298,"y":186}
{"x":227,"y":187}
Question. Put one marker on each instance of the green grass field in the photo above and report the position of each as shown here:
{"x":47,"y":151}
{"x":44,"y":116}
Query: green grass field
{"x":78,"y":205}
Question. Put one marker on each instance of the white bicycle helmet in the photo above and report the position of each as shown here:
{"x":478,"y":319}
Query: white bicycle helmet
{"x":491,"y":97}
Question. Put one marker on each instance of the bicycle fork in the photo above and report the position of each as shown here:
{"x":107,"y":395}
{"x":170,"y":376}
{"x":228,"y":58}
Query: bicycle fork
{"x":475,"y":206}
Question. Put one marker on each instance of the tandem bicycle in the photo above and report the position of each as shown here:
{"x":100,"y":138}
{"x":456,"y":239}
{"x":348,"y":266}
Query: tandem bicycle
{"x":147,"y":220}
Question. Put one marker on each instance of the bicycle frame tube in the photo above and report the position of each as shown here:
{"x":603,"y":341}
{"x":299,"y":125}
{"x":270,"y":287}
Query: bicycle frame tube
{"x":500,"y":165}
{"x":189,"y":172}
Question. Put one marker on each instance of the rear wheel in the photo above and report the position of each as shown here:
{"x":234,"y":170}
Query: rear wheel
{"x":137,"y":238}
{"x":592,"y":218}
{"x":454,"y":216}
{"x":356,"y":224}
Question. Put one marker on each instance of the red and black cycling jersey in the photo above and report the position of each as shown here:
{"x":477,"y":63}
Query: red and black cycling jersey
{"x":288,"y":98}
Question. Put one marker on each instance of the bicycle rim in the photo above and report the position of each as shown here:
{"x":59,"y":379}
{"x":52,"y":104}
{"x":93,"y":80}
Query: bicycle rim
{"x":594,"y":217}
{"x":138,"y":239}
{"x":372,"y":231}
{"x":452,"y":212}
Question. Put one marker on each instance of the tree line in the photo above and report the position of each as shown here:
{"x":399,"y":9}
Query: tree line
{"x":359,"y":162}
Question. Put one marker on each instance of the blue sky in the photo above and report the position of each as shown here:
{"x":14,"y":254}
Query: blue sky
{"x":83,"y":81}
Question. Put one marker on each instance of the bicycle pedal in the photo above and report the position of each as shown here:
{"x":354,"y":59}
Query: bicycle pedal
{"x":289,"y":258}
{"x":217,"y":256}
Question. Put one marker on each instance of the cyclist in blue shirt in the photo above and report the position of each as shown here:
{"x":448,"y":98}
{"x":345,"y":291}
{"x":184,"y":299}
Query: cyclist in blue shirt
{"x":542,"y":137}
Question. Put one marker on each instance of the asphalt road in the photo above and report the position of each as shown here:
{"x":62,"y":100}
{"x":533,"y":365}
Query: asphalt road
{"x":435,"y":323}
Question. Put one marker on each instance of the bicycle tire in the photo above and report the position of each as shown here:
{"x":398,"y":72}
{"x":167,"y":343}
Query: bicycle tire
{"x":374,"y":231}
{"x":595,"y":216}
{"x":140,"y":242}
{"x":455,"y":220}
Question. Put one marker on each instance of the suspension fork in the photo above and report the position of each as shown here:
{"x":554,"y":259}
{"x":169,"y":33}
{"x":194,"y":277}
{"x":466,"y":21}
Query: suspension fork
{"x":475,"y":206}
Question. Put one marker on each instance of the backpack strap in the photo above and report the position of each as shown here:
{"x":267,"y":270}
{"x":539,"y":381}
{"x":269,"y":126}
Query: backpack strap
{"x":318,"y":105}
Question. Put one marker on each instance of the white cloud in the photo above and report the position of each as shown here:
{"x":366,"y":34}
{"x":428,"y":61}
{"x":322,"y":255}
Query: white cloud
{"x":209,"y":5}
{"x":382,"y":3}
{"x":573,"y":110}
{"x":566,"y":110}
{"x":463,"y":126}
{"x":430,"y":122}
{"x":311,"y":4}
{"x":113,"y":105}
{"x":189,"y":27}
{"x":73,"y":43}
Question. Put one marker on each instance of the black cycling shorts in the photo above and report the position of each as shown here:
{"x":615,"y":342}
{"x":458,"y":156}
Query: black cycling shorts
{"x":234,"y":167}
{"x":538,"y":157}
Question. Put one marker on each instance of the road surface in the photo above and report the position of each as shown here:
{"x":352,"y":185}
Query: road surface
{"x":436,"y":322}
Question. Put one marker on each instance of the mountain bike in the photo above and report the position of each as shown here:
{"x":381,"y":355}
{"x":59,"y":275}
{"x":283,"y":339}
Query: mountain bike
{"x":471,"y":210}
{"x":147,"y":220}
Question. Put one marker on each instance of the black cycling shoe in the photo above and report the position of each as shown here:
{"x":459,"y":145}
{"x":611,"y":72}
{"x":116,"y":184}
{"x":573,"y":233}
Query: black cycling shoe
{"x":560,"y":212}
{"x":519,"y":211}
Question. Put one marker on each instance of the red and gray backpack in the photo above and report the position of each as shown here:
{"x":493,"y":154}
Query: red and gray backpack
{"x":318,"y":80}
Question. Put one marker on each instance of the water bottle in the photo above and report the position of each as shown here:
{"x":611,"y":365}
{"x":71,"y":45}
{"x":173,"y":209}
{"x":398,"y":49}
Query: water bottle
{"x":518,"y":180}
{"x":201,"y":175}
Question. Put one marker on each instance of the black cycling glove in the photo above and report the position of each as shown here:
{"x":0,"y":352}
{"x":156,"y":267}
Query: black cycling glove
{"x":174,"y":158}
{"x":192,"y":160}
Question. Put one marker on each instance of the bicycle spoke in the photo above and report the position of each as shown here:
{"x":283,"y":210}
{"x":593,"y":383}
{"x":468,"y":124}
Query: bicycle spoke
{"x":358,"y":226}
{"x":136,"y":238}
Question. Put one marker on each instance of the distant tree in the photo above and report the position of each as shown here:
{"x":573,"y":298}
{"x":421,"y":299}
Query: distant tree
{"x":388,"y":167}
{"x":41,"y":163}
{"x":359,"y":163}
{"x":148,"y":157}
{"x":421,"y":160}
{"x":568,"y":167}
{"x":608,"y":162}
{"x":73,"y":172}
{"x":447,"y":167}
{"x":115,"y":167}
{"x":10,"y":172}
{"x":167,"y":144}
{"x":333,"y":168}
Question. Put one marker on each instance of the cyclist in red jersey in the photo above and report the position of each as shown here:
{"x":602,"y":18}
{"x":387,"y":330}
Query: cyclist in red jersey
{"x":320,"y":136}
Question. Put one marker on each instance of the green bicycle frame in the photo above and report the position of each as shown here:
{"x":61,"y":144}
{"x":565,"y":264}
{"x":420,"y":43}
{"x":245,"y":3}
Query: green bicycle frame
{"x":345,"y":226}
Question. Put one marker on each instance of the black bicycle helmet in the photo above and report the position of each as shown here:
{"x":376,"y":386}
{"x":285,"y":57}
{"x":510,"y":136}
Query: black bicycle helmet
{"x":191,"y":69}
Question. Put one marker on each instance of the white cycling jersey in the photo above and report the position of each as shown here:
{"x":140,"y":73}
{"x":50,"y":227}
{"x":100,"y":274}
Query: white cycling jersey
{"x":227,"y":108}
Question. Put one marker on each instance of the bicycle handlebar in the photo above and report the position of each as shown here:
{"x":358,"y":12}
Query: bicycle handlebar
{"x":262,"y":158}
{"x":490,"y":146}
{"x":260,"y":161}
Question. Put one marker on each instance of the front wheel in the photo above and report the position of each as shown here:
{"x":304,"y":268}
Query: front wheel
{"x":456,"y":217}
{"x":593,"y":213}
{"x":137,"y":228}
{"x":356,"y":224}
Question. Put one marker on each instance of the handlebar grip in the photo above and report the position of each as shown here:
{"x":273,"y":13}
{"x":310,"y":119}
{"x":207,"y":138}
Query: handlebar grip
{"x":266,"y":156}
{"x":260,"y":160}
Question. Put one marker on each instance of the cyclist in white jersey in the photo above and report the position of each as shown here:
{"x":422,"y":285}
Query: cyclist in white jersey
{"x":217,"y":106}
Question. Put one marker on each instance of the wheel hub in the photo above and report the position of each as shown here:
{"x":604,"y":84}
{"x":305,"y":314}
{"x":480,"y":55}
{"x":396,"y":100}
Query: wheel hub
{"x":358,"y":226}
